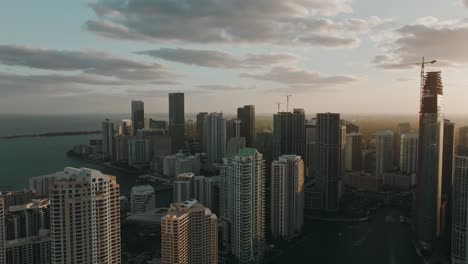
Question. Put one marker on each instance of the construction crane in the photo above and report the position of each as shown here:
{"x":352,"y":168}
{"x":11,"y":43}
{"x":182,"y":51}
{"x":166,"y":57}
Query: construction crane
{"x":287,"y":102}
{"x":278,"y":103}
{"x":422,"y":64}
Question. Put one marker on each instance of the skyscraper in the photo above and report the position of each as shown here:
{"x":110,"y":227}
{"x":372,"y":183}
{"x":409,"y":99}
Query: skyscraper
{"x":404,"y":128}
{"x":142,"y":199}
{"x":85,"y":217}
{"x":287,"y":196}
{"x":121,"y":147}
{"x":429,"y":177}
{"x":463,"y":138}
{"x":447,"y":178}
{"x":183,"y":187}
{"x":298,"y":132}
{"x":247,"y":126}
{"x":138,"y":116}
{"x":108,"y":138}
{"x":138,"y":151}
{"x":189,"y":234}
{"x":460,"y":211}
{"x":177,"y":120}
{"x":328,"y":160}
{"x":282,"y":134}
{"x":214,"y":132}
{"x":353,"y":152}
{"x":311,"y":148}
{"x":409,"y":154}
{"x":2,"y":231}
{"x":200,"y":119}
{"x":243,"y":205}
{"x":383,"y":152}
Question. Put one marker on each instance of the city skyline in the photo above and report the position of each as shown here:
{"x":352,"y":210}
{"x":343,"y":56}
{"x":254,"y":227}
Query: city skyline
{"x":330,"y":56}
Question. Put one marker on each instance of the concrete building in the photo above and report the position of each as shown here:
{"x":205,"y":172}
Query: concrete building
{"x":177,"y":120}
{"x":429,"y":187}
{"x":142,"y":199}
{"x":353,"y":152}
{"x":16,"y":198}
{"x":200,"y":119}
{"x":383,"y":152}
{"x":311,"y":148}
{"x":214,"y":132}
{"x":243,"y":205}
{"x":362,"y":181}
{"x":246,"y":115}
{"x":189,"y":234}
{"x":107,"y":133}
{"x":138,"y":116}
{"x":404,"y":128}
{"x":298,"y":137}
{"x":328,"y":160}
{"x":409,"y":154}
{"x":125,"y":127}
{"x":401,"y":181}
{"x":139,"y":152}
{"x":23,"y":221}
{"x":30,"y":250}
{"x":2,"y":232}
{"x":287,"y":196}
{"x":121,"y":147}
{"x":174,"y":165}
{"x":447,"y":177}
{"x":41,"y":185}
{"x":183,"y":187}
{"x":463,"y":138}
{"x":85,"y":217}
{"x":460,"y":211}
{"x":289,"y":133}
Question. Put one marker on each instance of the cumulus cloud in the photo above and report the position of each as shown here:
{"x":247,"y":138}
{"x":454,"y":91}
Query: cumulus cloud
{"x":296,"y":77}
{"x":444,"y":41}
{"x":230,"y":21}
{"x":218,"y":59}
{"x":223,"y":88}
{"x":91,"y":62}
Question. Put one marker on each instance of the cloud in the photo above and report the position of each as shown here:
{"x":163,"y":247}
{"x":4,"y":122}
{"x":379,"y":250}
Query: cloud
{"x":444,"y":41}
{"x":223,"y":88}
{"x":51,"y":85}
{"x":465,"y":2}
{"x":294,"y":76}
{"x":304,"y":22}
{"x":218,"y":59}
{"x":90,"y":62}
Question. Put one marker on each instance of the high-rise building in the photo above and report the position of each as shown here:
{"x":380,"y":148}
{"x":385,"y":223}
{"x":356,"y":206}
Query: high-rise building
{"x":265,"y":144}
{"x":214,"y":132}
{"x":2,"y":232}
{"x":243,"y":205}
{"x":125,"y":127}
{"x":328,"y":160}
{"x":85,"y":217}
{"x":200,"y":119}
{"x":447,"y":178}
{"x":282,"y":134}
{"x":287,"y":196}
{"x":138,"y":116}
{"x":189,"y":234}
{"x":353,"y":152}
{"x":138,"y":151}
{"x":311,"y":148}
{"x":463,"y":138}
{"x":177,"y":120}
{"x":404,"y":128}
{"x":298,"y":138}
{"x":383,"y":152}
{"x":121,"y":147}
{"x":429,"y":177}
{"x":108,"y":138}
{"x":142,"y":199}
{"x":235,"y":143}
{"x":409,"y":154}
{"x":460,"y":211}
{"x":246,"y":115}
{"x":183,"y":187}
{"x":28,"y":234}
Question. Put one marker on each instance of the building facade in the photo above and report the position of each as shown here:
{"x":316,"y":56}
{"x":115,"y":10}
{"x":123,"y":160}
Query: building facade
{"x":177,"y":120}
{"x":138,"y":116}
{"x":108,"y":138}
{"x":243,"y":205}
{"x":287,"y":196}
{"x":246,"y":115}
{"x":214,"y":132}
{"x":85,"y":218}
{"x":384,"y":152}
{"x":409,"y":154}
{"x":429,"y":177}
{"x":189,"y":234}
{"x":353,"y":152}
{"x":142,"y":199}
{"x":460,"y":211}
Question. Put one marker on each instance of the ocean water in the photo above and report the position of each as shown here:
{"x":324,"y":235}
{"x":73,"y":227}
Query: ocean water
{"x":23,"y":158}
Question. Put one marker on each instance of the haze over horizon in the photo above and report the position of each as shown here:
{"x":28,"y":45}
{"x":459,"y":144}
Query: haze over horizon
{"x":340,"y":56}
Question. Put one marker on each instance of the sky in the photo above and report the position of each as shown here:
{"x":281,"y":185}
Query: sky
{"x":346,"y":56}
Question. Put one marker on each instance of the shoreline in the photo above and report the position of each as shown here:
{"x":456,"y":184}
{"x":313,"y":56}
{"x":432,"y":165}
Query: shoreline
{"x":54,"y":134}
